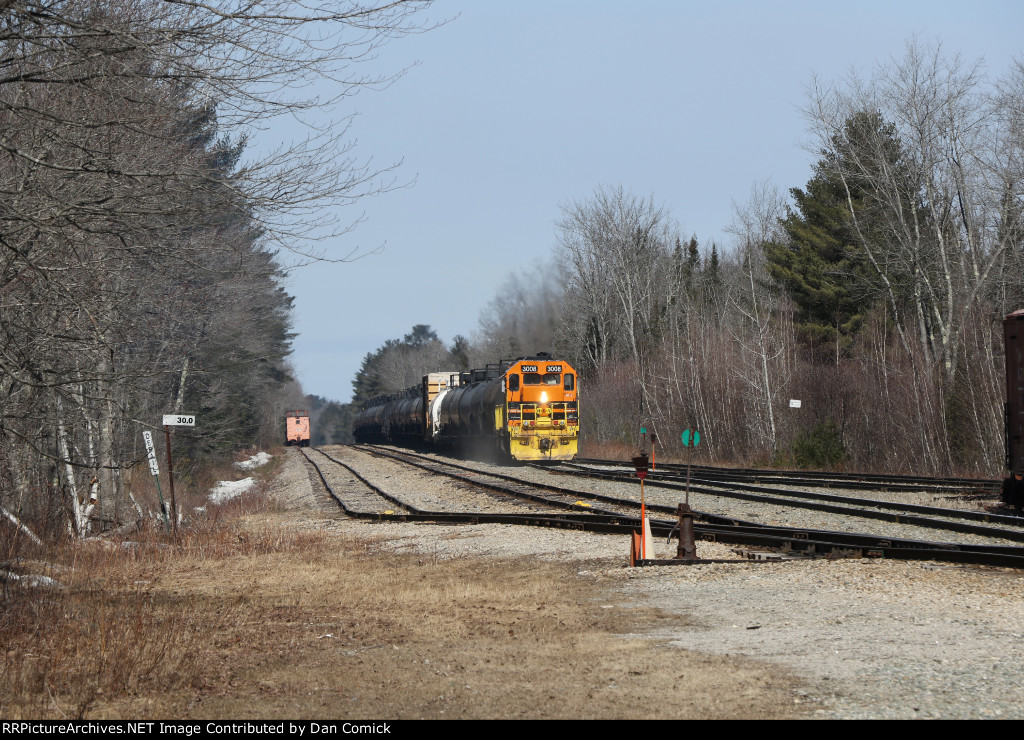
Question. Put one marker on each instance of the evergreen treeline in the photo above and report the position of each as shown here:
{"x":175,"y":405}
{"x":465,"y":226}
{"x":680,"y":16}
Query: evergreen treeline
{"x":138,"y":269}
{"x":394,"y":366}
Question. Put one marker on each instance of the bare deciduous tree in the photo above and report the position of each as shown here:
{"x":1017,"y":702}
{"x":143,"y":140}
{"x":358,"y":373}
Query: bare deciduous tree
{"x":136,"y":261}
{"x":615,"y":247}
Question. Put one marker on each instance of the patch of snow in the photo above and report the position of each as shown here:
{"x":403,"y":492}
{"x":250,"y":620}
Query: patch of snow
{"x":229,"y":489}
{"x":260,"y":458}
{"x":42,"y":582}
{"x":31,"y":580}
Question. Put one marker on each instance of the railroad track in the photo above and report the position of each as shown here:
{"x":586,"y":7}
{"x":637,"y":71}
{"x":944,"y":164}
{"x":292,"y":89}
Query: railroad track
{"x":400,"y":510}
{"x":809,"y":478}
{"x":965,"y":521}
{"x":362,"y":501}
{"x":569,"y":507}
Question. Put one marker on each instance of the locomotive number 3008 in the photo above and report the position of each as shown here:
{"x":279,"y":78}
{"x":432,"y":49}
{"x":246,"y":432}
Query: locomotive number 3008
{"x":554,"y":369}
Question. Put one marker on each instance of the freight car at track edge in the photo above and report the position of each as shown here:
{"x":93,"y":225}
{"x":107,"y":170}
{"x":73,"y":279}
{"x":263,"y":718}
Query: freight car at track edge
{"x":296,"y":428}
{"x":1013,"y":332}
{"x":526,"y":409}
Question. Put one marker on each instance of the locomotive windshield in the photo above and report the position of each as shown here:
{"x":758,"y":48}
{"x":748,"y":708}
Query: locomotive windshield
{"x":541,"y":379}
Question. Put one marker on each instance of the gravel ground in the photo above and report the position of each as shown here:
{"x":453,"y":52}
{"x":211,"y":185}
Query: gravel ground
{"x":873,"y":639}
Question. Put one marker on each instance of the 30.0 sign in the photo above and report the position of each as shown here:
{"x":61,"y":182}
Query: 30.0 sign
{"x":179,"y":420}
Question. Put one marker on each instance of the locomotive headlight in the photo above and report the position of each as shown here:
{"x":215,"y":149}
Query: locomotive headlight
{"x":543,"y":396}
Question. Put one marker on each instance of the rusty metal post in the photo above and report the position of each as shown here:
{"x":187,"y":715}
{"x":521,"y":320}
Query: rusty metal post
{"x":170,"y":478}
{"x":635,"y":543}
{"x":687,"y":549}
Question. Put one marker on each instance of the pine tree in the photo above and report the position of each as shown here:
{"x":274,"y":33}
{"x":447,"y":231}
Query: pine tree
{"x":820,"y":268}
{"x":822,"y":265}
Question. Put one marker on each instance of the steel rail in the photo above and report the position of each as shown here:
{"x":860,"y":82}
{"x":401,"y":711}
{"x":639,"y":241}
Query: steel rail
{"x":584,"y":520}
{"x":909,"y":514}
{"x":875,"y":481}
{"x":711,"y":527}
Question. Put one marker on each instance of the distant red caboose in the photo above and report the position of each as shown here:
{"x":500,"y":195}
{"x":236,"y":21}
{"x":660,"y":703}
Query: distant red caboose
{"x":297,"y":428}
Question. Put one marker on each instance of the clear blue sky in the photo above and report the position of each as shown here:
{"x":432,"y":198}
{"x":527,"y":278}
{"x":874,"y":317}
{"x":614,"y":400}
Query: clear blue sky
{"x":513,"y":109}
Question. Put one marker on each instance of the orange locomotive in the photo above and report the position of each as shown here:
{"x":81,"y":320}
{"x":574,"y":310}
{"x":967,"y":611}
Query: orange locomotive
{"x":297,"y":428}
{"x":526,"y":408}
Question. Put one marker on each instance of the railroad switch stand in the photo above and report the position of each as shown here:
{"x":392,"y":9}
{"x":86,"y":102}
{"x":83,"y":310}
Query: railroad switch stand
{"x":687,"y":549}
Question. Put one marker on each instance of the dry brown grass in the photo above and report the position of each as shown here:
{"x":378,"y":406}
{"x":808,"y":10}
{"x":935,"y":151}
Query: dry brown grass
{"x":607,"y":450}
{"x":100,"y":631}
{"x":253,"y":613}
{"x":69,"y":650}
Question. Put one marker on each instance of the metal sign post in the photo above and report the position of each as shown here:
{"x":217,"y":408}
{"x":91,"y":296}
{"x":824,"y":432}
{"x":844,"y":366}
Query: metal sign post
{"x":687,"y":549}
{"x":685,"y":436}
{"x":155,"y":470}
{"x":175,"y":420}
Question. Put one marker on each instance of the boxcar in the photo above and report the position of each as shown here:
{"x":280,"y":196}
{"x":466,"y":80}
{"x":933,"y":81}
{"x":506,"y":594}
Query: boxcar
{"x":1013,"y":332}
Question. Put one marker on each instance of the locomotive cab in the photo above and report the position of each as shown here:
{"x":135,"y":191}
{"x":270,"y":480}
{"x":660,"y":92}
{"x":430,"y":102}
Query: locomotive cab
{"x":539,"y":419}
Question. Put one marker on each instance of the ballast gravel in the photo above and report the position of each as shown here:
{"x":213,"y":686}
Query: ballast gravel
{"x":872,"y":639}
